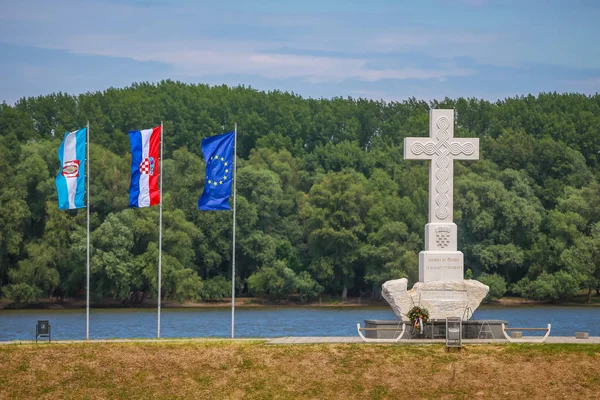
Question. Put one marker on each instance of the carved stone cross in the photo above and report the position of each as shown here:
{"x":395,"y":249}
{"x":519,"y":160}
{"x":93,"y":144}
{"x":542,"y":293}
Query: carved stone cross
{"x":442,"y":148}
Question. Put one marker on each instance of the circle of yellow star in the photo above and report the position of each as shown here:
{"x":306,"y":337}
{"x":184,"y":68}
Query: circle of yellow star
{"x":225,"y":177}
{"x":226,"y":170}
{"x":222,"y":159}
{"x":220,"y":182}
{"x":209,"y":182}
{"x":215,"y":183}
{"x":225,"y":164}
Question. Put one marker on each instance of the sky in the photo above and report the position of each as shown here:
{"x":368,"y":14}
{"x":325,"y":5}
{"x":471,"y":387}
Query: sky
{"x":380,"y":49}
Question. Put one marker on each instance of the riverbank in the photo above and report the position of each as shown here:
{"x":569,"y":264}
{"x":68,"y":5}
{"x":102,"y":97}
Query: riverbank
{"x":255,"y":370}
{"x":67,"y":304}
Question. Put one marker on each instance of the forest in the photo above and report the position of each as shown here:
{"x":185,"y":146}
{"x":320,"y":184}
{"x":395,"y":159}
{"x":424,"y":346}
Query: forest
{"x":326,"y":205}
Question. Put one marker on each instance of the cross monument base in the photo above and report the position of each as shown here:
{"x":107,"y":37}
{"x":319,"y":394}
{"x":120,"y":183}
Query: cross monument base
{"x":441,"y":266}
{"x":443,"y":299}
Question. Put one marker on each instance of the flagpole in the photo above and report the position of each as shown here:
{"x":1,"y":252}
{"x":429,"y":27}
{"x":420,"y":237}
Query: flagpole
{"x":87,"y":291}
{"x":160,"y":227}
{"x":233,"y":250}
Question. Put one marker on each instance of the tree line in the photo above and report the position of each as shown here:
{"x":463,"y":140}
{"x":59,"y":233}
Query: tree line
{"x":326,"y":204}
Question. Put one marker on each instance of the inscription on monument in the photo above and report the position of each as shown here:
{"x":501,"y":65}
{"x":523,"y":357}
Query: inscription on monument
{"x":441,"y":266}
{"x":448,"y":263}
{"x":454,"y":295}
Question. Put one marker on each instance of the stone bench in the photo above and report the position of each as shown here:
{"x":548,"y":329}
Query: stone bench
{"x":518,"y":334}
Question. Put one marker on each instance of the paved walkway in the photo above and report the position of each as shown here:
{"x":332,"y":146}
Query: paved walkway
{"x":163,"y":340}
{"x":307,"y":340}
{"x":356,"y":339}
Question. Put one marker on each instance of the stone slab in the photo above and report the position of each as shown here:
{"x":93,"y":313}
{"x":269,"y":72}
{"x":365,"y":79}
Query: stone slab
{"x":516,"y":335}
{"x":582,"y":335}
{"x":441,"y":266}
{"x":443,"y":299}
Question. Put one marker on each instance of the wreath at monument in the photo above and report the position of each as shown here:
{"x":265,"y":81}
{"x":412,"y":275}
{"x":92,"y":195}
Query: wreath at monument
{"x":418,"y":317}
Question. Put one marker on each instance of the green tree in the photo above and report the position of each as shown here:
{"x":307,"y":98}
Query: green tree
{"x":322,"y":188}
{"x":496,"y":283}
{"x":334,"y":211}
{"x":583,"y":260}
{"x":278,"y":281}
{"x":558,"y":286}
{"x":35,"y":276}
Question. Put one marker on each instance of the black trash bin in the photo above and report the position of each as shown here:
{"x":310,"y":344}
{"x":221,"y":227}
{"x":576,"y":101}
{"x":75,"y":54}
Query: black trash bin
{"x":42,"y":329}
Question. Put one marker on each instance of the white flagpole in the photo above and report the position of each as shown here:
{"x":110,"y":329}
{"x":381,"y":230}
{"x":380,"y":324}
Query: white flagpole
{"x":233,"y":250}
{"x":160,"y":227}
{"x":87,"y":291}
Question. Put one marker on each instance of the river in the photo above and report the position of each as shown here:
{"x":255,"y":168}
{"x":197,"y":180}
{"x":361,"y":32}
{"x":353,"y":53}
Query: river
{"x":264,"y":321}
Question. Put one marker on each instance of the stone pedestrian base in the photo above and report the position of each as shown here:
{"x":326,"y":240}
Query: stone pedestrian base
{"x":443,"y":299}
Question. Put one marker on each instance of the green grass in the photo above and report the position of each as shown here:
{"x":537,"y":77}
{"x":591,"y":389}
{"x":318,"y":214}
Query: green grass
{"x":553,"y":348}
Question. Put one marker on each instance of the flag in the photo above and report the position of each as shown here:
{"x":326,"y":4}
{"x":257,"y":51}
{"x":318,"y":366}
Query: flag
{"x":70,"y":182}
{"x":218,"y":154}
{"x":145,"y":159}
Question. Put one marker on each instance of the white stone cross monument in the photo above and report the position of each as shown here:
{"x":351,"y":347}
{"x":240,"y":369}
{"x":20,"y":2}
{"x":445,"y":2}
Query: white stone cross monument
{"x":441,"y":261}
{"x":441,"y":287}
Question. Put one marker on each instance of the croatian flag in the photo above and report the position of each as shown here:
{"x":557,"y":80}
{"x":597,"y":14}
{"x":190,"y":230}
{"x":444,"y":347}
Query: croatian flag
{"x":70,"y":182}
{"x":145,"y":159}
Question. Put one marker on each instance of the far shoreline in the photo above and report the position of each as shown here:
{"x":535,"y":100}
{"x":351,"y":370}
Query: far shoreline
{"x":250,"y":302}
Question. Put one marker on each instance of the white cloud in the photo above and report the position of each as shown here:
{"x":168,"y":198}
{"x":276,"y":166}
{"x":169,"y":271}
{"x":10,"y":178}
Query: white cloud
{"x":196,"y":58}
{"x":115,"y":30}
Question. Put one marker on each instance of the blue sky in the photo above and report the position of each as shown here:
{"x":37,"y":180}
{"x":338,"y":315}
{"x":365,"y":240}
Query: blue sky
{"x":378,"y":49}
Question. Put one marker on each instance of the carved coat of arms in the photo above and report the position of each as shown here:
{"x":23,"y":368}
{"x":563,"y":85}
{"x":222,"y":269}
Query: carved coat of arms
{"x":442,"y":236}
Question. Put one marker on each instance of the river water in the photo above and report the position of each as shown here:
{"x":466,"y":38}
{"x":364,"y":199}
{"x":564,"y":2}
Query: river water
{"x":264,"y":321}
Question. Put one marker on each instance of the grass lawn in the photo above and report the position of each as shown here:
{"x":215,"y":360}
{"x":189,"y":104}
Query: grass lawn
{"x":254,"y":370}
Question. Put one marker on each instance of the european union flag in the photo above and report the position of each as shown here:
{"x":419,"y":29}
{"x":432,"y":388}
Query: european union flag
{"x":218,"y":154}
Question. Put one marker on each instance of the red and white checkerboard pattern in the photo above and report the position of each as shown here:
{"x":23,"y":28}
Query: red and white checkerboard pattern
{"x":145,"y":167}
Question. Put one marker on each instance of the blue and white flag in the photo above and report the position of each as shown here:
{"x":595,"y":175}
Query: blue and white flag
{"x":70,"y":182}
{"x":218,"y":154}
